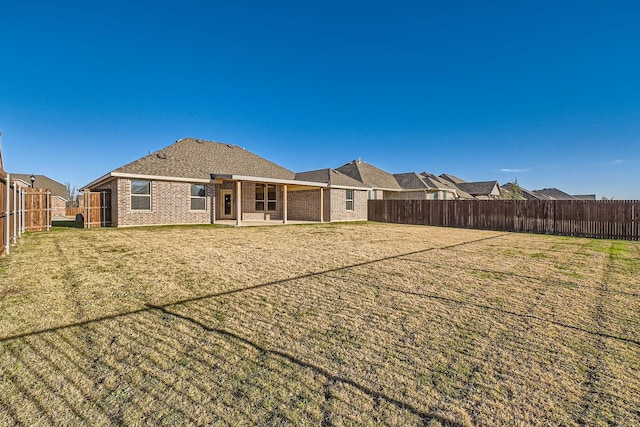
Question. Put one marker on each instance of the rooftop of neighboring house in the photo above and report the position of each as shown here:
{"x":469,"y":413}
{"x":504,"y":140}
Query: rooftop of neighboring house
{"x":412,"y":181}
{"x":43,"y":181}
{"x":443,"y":183}
{"x":330,"y":176}
{"x":553,"y":194}
{"x":482,"y":188}
{"x":370,"y":176}
{"x":513,"y":188}
{"x":452,"y":178}
{"x":585,"y":196}
{"x":193,"y":158}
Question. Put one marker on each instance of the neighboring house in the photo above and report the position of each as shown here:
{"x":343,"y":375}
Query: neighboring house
{"x":383,"y":185}
{"x":200,"y":182}
{"x":421,"y":187}
{"x":585,"y":196}
{"x":513,"y":188}
{"x":443,"y":183}
{"x":452,"y":179}
{"x":59,"y":195}
{"x":553,"y":194}
{"x":484,"y":190}
{"x":345,"y":199}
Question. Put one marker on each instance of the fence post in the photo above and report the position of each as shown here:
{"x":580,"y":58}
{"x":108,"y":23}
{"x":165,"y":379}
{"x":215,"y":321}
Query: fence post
{"x":15,"y":212}
{"x":87,"y":201}
{"x":23,"y":212}
{"x":47,"y":203}
{"x":8,"y":215}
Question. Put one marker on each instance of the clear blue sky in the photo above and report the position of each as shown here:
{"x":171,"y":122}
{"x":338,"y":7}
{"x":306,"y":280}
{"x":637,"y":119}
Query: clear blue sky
{"x":545,"y":92}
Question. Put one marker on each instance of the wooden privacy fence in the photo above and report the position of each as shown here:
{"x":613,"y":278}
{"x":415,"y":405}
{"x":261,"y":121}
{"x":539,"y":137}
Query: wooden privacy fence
{"x":97,"y":208}
{"x":37,"y":206}
{"x":606,"y":219}
{"x":21,"y":210}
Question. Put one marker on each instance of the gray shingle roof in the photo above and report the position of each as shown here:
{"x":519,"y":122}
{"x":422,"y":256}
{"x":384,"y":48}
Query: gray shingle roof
{"x":43,"y":181}
{"x":329,"y":176}
{"x":411,"y":181}
{"x":526,"y":194}
{"x":553,"y":194}
{"x":452,"y":178}
{"x":370,"y":176}
{"x":198,"y":159}
{"x":482,"y":188}
{"x":441,"y":182}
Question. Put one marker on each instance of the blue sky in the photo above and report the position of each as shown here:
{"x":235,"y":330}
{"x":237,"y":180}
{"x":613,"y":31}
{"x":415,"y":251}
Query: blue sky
{"x":544,"y":92}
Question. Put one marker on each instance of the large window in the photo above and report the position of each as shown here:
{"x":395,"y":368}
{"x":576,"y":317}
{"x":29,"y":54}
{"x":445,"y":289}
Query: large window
{"x":349,"y":200}
{"x":198,"y":197}
{"x":265,"y":197}
{"x":140,"y":195}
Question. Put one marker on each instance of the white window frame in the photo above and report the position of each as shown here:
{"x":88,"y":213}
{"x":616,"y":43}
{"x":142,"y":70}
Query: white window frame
{"x":140,"y":195}
{"x":350,"y":200}
{"x":192,"y":197}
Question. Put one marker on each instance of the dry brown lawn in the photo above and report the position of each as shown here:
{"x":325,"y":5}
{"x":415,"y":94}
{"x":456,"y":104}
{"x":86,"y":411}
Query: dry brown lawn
{"x":347,"y":324}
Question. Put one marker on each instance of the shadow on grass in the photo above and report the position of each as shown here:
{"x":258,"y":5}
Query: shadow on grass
{"x":67,"y":223}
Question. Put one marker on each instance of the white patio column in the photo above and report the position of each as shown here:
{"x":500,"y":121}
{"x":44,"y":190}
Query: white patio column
{"x":321,"y":205}
{"x":238,"y":203}
{"x":284,"y":204}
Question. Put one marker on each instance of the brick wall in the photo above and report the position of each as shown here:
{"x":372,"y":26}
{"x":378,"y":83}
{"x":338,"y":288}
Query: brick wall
{"x":337,"y":201}
{"x":170,"y":204}
{"x":304,"y":205}
{"x":58,"y":207}
{"x":249,"y":211}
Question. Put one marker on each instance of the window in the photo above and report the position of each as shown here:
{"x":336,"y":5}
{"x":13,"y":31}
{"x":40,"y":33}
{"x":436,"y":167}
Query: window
{"x":198,"y":200}
{"x":140,"y":195}
{"x":349,"y":200}
{"x":267,"y":191}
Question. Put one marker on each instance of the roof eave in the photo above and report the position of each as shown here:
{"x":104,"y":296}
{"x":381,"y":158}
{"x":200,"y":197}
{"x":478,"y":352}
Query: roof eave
{"x":268,"y":180}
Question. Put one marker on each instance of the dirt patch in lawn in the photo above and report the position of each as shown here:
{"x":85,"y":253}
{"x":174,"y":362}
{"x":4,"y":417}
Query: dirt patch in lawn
{"x":331,"y":324}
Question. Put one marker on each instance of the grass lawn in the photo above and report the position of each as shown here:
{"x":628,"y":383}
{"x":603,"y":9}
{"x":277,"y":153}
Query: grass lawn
{"x":347,"y":324}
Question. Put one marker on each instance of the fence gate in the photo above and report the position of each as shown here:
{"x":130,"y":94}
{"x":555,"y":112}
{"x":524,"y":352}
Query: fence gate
{"x":97,"y":208}
{"x":37,"y":209}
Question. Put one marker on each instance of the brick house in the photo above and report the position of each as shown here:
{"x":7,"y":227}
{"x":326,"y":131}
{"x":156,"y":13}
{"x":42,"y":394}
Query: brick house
{"x":202,"y":182}
{"x":59,"y":196}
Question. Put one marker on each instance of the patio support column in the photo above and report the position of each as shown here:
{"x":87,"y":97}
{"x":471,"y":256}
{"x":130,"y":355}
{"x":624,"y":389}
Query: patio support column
{"x":321,"y":205}
{"x":284,"y":204}
{"x":238,"y":203}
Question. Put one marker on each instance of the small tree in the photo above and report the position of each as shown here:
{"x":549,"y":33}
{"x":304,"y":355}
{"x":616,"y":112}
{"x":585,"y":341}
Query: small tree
{"x":515,"y":192}
{"x":72,"y":193}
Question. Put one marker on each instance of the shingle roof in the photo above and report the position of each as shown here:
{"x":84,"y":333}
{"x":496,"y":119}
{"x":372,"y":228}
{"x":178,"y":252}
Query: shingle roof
{"x":198,"y":159}
{"x":526,"y":194}
{"x":553,"y":194}
{"x":411,"y":181}
{"x":584,"y":196}
{"x":478,"y":188}
{"x":452,"y":178}
{"x":329,"y":176}
{"x":43,"y":181}
{"x":447,"y":184}
{"x":370,"y":176}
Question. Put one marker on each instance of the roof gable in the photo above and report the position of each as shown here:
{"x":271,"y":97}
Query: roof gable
{"x":553,"y":194}
{"x":199,"y":159}
{"x":330,"y":176}
{"x":411,"y":181}
{"x":483,"y":188}
{"x":370,"y":176}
